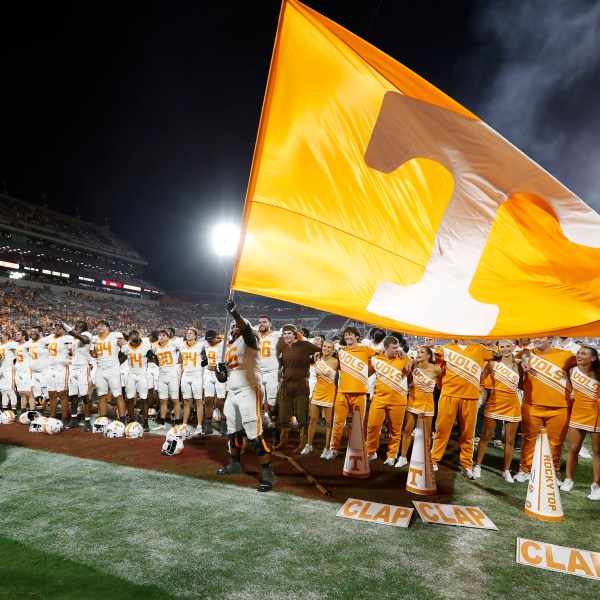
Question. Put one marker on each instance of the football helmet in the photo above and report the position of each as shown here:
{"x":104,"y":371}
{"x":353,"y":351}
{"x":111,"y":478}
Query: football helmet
{"x":37,"y":425}
{"x":53,"y":426}
{"x":134,"y":430}
{"x":152,"y":414}
{"x":173,"y":445}
{"x":183,"y":430}
{"x":114,"y":430}
{"x":100,"y":425}
{"x":28,"y":416}
{"x":7,"y":417}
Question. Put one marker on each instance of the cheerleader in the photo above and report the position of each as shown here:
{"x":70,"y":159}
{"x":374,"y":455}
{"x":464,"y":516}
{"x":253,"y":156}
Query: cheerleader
{"x":502,"y":405}
{"x":585,"y":416}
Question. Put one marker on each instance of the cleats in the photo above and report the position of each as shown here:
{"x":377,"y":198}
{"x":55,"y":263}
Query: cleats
{"x":268,"y":480}
{"x":233,"y":468}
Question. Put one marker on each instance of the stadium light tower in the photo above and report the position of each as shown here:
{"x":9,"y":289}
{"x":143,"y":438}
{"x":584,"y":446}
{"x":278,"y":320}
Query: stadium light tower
{"x":225,"y":239}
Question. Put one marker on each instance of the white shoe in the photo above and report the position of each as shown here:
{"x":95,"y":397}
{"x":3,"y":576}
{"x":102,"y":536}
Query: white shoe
{"x":477,"y":472}
{"x":467,"y":473}
{"x":332,"y":454}
{"x":307,"y":449}
{"x":498,"y":444}
{"x":567,"y":485}
{"x":435,"y":467}
{"x":325,"y":454}
{"x":198,"y":431}
{"x":389,"y":462}
{"x":584,"y":453}
{"x":595,"y":495}
{"x":507,"y":477}
{"x":372,"y":457}
{"x":521,"y":477}
{"x":401,"y":462}
{"x":160,"y":427}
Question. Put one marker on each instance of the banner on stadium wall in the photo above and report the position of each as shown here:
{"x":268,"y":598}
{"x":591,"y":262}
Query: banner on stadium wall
{"x":373,"y":512}
{"x":454,"y":514}
{"x":582,"y":563}
{"x":399,"y":207}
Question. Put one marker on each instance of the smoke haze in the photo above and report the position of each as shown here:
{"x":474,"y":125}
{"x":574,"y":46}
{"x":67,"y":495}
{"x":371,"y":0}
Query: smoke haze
{"x":544,"y":93}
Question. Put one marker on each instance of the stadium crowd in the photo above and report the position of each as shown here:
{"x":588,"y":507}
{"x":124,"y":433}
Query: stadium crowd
{"x":36,"y":218}
{"x":65,"y":351}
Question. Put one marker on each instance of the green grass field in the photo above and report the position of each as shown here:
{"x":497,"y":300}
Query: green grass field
{"x":80,"y":528}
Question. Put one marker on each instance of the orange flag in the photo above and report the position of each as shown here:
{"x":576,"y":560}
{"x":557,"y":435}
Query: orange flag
{"x":375,"y":196}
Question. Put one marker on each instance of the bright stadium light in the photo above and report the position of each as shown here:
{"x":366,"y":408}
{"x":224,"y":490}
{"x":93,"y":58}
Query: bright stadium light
{"x":225,"y":239}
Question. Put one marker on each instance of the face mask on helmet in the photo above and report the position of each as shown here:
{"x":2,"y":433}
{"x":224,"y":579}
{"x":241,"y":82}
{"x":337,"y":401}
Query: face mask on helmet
{"x":115,"y":429}
{"x":7,"y":417}
{"x":173,"y":446}
{"x":27,"y":417}
{"x":52,"y":426}
{"x":152,"y":414}
{"x":134,"y":430}
{"x":37,"y":425}
{"x":100,"y":425}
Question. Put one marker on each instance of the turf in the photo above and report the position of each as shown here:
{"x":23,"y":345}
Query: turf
{"x":168,"y":535}
{"x":29,"y":573}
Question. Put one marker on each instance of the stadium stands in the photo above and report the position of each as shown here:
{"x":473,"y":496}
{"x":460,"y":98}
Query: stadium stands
{"x":42,"y":245}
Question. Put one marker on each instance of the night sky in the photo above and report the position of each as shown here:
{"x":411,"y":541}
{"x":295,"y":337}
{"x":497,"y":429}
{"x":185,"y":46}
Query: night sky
{"x":146,"y":113}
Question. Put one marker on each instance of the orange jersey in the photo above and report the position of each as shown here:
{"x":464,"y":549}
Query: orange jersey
{"x":585,"y":388}
{"x":586,"y":407}
{"x":354,"y":369}
{"x":549,"y":384}
{"x":420,"y":397}
{"x":462,"y":373}
{"x":390,"y":385}
{"x":324,"y":392}
{"x":487,"y":382}
{"x":504,"y":379}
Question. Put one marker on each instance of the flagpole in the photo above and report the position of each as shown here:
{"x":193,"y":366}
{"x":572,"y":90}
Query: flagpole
{"x":227,"y":324}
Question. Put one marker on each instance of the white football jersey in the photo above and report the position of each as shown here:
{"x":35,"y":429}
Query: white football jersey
{"x":213,"y":353}
{"x":168,"y":356}
{"x":107,"y":348}
{"x":136,"y":356}
{"x":8,"y":353}
{"x":242,"y":366}
{"x":38,"y":354}
{"x":268,"y":356}
{"x":192,"y":358}
{"x":23,"y":356}
{"x":81,"y":352}
{"x":59,"y":349}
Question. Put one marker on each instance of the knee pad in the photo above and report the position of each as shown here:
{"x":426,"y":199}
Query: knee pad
{"x":260,"y":445}
{"x":236,"y":439}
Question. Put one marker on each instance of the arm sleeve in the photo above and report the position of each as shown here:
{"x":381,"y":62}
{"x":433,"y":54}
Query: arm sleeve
{"x":248,"y":335}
